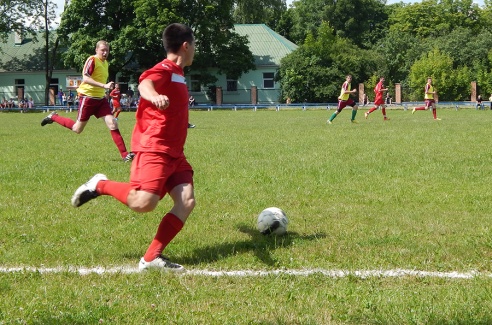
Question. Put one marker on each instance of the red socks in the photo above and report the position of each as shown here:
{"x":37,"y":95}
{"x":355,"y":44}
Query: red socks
{"x":63,"y":121}
{"x":116,"y":189}
{"x":169,"y":227}
{"x":120,"y":143}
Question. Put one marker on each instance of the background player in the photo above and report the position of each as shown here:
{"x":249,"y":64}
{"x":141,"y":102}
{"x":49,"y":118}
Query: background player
{"x":344,"y":100}
{"x":429,"y":100}
{"x":115,"y":100}
{"x":92,"y":101}
{"x":158,"y":139}
{"x":379,"y":100}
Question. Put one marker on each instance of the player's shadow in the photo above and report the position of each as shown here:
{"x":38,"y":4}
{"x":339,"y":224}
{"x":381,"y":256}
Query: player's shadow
{"x":259,"y":244}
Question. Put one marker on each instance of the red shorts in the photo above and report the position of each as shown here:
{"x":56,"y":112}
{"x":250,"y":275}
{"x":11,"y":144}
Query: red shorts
{"x":116,"y":104}
{"x":159,"y":173}
{"x":344,"y":103}
{"x":379,"y":102}
{"x":92,"y":106}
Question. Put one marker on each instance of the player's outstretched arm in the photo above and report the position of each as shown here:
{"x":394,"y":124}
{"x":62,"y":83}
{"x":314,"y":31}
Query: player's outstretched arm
{"x":148,"y":92}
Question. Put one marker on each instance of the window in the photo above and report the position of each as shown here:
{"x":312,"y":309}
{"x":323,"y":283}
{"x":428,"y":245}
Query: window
{"x":195,"y":83}
{"x":231,"y":84}
{"x":268,"y":80}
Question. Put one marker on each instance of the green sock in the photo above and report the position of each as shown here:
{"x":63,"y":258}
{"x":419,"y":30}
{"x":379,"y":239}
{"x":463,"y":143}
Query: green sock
{"x":332,"y":117}
{"x":354,"y":112}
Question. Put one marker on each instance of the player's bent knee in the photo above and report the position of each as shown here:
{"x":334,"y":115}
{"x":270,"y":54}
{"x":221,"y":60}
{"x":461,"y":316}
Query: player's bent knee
{"x":189,"y":204}
{"x":77,"y":130}
{"x":143,"y":204}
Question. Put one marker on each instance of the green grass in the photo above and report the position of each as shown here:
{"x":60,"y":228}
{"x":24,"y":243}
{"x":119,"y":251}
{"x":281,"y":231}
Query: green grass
{"x":411,"y":193}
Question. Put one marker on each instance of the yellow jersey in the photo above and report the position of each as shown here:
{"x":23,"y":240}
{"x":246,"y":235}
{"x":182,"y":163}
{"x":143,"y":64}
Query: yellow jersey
{"x":98,"y":70}
{"x":429,"y":88}
{"x":343,"y":95}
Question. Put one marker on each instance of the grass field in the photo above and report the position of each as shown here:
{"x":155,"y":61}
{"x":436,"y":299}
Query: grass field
{"x":409,"y":194}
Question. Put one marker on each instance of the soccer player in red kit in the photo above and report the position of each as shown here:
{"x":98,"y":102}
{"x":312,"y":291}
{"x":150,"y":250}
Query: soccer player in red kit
{"x":92,"y":100}
{"x":379,"y":100}
{"x":115,"y":99}
{"x":160,"y":166}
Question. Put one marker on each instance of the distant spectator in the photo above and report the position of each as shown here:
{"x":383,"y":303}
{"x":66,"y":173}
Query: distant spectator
{"x":389,"y":100}
{"x":10,"y":103}
{"x":60,"y":96}
{"x":288,"y":101}
{"x":22,"y":104}
{"x":365,"y":100}
{"x":30,"y":103}
{"x":191,"y":101}
{"x":125,"y":102}
{"x":3,"y":104}
{"x":479,"y":102}
{"x":130,"y":93}
{"x":70,"y":100}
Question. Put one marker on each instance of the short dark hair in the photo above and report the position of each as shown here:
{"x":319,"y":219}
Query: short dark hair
{"x":175,"y":35}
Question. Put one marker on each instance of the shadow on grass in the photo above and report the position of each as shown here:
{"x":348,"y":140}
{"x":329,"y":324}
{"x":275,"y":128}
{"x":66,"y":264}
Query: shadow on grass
{"x":259,"y":244}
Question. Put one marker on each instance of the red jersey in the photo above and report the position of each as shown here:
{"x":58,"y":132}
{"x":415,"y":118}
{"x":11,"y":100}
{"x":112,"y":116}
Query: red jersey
{"x":163,"y":130}
{"x":115,"y":94}
{"x":115,"y":97}
{"x":378,"y":92}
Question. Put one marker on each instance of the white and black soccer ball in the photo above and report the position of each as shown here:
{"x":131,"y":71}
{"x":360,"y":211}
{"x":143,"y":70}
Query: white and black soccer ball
{"x":272,"y":221}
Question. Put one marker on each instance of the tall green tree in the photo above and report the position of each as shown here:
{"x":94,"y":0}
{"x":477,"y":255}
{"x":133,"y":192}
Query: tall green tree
{"x":13,"y":15}
{"x":134,"y":29}
{"x":451,"y":84}
{"x":31,"y":18}
{"x":433,"y":18}
{"x":361,"y":21}
{"x":267,"y":12}
{"x":315,"y":71}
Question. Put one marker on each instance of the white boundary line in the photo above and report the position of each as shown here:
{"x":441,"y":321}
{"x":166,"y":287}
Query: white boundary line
{"x":396,"y":273}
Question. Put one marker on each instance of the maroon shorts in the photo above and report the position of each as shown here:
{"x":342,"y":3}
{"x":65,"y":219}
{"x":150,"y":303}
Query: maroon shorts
{"x":429,"y":102}
{"x":344,"y":103}
{"x":159,"y":173}
{"x":99,"y":107}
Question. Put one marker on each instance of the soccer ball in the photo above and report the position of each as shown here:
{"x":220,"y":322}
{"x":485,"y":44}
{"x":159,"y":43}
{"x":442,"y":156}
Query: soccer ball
{"x":272,"y":221}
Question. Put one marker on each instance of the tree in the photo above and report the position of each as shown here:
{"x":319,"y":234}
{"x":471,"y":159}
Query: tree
{"x":12,"y":16}
{"x":361,"y":21}
{"x":316,"y":70}
{"x":399,"y":51}
{"x":41,"y":15}
{"x":267,"y":12}
{"x":451,"y":84}
{"x":433,"y":18}
{"x":134,"y":29}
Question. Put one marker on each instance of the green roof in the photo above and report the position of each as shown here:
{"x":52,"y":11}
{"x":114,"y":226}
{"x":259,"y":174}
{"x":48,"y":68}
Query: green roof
{"x":267,"y":46}
{"x":22,"y":54}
